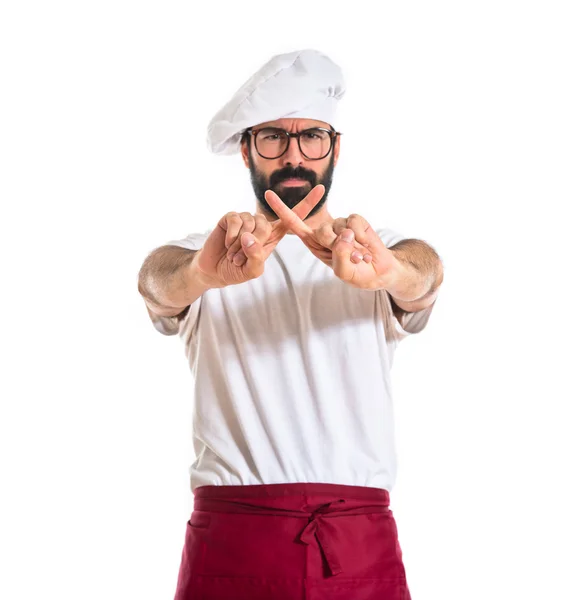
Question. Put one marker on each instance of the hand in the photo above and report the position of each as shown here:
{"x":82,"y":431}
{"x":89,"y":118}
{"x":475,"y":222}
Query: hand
{"x":237,"y":248}
{"x":350,"y":246}
{"x":321,"y":242}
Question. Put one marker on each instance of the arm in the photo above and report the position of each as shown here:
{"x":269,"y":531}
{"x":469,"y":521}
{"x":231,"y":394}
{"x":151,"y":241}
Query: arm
{"x":169,"y":281}
{"x":421,"y":275}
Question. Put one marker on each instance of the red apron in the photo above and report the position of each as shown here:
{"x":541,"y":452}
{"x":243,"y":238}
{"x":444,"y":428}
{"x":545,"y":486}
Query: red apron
{"x":291,"y":541}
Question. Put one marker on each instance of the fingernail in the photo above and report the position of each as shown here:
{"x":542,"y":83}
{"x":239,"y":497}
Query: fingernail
{"x":347,"y":235}
{"x":238,"y":260}
{"x":248,"y":242}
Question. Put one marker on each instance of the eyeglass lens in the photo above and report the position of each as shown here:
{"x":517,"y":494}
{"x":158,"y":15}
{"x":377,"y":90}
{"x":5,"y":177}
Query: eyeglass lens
{"x":272,"y":143}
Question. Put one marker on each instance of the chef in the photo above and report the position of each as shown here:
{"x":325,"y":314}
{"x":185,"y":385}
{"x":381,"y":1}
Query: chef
{"x":290,"y":318}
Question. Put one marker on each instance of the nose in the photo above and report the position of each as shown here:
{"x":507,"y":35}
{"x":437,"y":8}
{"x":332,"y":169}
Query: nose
{"x":293,"y":156}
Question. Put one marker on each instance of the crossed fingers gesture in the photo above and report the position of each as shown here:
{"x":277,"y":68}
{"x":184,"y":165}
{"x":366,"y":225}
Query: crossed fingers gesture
{"x":349,"y":246}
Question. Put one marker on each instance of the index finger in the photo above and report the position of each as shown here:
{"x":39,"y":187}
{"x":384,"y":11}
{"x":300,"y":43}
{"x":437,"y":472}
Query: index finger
{"x":306,"y":205}
{"x":293,"y":219}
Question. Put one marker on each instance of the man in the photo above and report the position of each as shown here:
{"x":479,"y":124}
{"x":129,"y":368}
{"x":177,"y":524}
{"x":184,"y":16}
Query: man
{"x":290,"y":319}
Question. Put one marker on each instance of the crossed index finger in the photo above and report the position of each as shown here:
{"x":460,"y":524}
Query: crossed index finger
{"x":293,"y":219}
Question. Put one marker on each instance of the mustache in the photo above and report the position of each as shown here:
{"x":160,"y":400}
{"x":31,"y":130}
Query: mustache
{"x":290,"y":173}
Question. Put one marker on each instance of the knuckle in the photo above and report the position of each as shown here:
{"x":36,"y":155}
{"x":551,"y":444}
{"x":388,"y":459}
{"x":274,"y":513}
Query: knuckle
{"x":248,"y":222}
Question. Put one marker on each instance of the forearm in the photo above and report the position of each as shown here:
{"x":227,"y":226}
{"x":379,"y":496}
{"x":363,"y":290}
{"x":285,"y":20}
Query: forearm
{"x":420,"y":274}
{"x":169,"y":280}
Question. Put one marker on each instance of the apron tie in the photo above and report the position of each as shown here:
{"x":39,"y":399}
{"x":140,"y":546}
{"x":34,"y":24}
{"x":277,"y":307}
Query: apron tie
{"x":320,"y":525}
{"x":321,"y":530}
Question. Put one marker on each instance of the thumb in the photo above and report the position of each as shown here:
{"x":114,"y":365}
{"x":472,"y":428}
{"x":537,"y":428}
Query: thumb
{"x":254,"y":252}
{"x":342,"y":250}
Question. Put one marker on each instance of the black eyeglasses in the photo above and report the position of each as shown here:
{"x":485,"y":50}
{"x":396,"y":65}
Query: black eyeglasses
{"x":315,"y":143}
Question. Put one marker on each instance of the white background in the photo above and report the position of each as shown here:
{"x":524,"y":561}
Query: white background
{"x":461,"y":127}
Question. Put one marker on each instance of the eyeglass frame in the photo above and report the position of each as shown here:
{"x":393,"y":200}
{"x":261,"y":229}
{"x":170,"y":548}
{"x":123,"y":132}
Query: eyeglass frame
{"x":255,"y":132}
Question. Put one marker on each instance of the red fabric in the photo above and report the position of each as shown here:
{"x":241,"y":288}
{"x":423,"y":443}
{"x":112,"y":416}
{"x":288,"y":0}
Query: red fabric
{"x":296,"y":541}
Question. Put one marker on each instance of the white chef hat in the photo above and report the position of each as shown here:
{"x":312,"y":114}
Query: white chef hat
{"x":302,"y":84}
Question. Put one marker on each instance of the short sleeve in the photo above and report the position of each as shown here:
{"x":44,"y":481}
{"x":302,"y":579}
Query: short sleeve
{"x":183,"y":322}
{"x":192,"y":241}
{"x":389,"y":237}
{"x":412,"y":322}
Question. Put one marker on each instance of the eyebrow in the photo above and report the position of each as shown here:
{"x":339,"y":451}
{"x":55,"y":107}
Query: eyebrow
{"x":303,"y":129}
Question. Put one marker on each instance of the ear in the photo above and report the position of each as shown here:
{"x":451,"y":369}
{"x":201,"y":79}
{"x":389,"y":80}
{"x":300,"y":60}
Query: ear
{"x":244,"y":151}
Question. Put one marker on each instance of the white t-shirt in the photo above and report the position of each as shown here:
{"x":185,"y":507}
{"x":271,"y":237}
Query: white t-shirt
{"x":292,"y":375}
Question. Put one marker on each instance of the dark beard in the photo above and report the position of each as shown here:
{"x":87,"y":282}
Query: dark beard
{"x":291,"y":196}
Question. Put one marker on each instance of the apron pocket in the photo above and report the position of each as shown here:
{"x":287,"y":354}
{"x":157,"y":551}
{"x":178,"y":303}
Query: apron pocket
{"x":193,"y":553}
